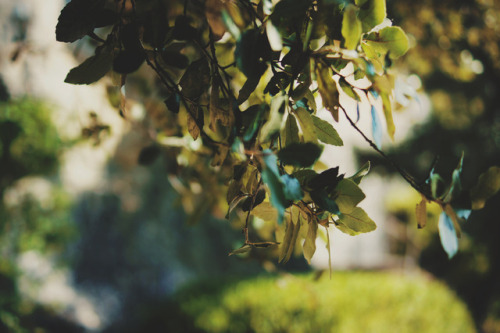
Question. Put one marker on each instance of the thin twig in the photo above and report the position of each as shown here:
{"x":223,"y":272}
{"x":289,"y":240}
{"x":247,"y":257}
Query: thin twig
{"x":409,"y":179}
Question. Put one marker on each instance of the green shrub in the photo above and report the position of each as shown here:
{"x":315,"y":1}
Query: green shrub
{"x":29,"y":143}
{"x":349,"y":302}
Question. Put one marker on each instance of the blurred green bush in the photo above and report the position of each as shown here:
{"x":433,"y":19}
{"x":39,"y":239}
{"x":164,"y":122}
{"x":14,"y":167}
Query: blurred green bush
{"x":349,"y":302}
{"x":35,"y":212}
{"x":29,"y":143}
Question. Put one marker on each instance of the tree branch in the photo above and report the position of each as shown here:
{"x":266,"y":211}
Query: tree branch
{"x":406,"y":176}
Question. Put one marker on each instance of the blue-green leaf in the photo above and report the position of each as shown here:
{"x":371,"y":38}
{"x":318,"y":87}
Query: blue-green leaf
{"x":271,"y":177}
{"x":291,"y":188}
{"x":456,"y":185}
{"x":376,"y":128}
{"x":448,"y":235}
{"x":323,"y":201}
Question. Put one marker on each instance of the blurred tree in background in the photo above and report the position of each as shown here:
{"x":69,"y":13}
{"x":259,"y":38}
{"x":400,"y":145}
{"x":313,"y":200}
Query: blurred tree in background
{"x":35,"y":215}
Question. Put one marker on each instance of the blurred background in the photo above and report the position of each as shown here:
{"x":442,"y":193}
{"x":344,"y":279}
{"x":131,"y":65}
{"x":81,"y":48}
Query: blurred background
{"x":98,"y":235}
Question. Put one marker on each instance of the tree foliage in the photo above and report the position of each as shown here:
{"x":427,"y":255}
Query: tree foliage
{"x":242,"y":79}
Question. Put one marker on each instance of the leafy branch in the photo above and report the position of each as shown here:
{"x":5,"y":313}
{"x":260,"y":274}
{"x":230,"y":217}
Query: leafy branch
{"x":265,"y":140}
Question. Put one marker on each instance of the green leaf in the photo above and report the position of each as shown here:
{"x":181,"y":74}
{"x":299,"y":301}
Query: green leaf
{"x":300,"y":154}
{"x":355,"y":222}
{"x":78,"y":18}
{"x":348,"y":89}
{"x":290,"y":133}
{"x":386,"y":102}
{"x":196,"y":79}
{"x":371,"y":13}
{"x":455,"y":186}
{"x":273,"y":123}
{"x":348,"y":195}
{"x":311,"y":102}
{"x":328,"y":179}
{"x":309,"y":246}
{"x":351,"y":27}
{"x":326,"y":133}
{"x":244,"y":249}
{"x":183,"y":30}
{"x":171,"y":56}
{"x":328,"y":90}
{"x":251,"y":53}
{"x":173,"y":103}
{"x":306,"y":124}
{"x":287,"y":13}
{"x":248,"y":88}
{"x":250,"y":202}
{"x":323,"y":201}
{"x":487,"y":186}
{"x":251,"y":121}
{"x":390,"y":40}
{"x":289,"y":240}
{"x":265,"y":211}
{"x":304,"y":175}
{"x":448,"y":235}
{"x":230,"y":25}
{"x":128,"y":61}
{"x":91,"y":70}
{"x":233,"y":203}
{"x":250,"y":180}
{"x":363,"y":171}
{"x":274,"y":37}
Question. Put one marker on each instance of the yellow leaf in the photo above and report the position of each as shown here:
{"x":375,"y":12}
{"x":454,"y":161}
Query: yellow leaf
{"x":265,"y":211}
{"x":328,"y":90}
{"x":421,"y":213}
{"x":213,"y":12}
{"x":309,"y":246}
{"x":193,"y":128}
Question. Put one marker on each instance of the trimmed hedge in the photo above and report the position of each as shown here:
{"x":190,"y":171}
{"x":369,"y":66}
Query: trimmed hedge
{"x":349,"y":302}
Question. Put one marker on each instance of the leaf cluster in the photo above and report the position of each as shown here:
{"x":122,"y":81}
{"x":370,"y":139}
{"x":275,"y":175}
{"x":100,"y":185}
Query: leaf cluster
{"x":245,"y":78}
